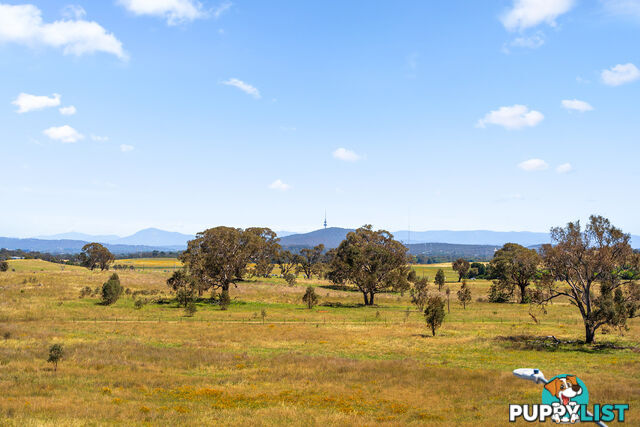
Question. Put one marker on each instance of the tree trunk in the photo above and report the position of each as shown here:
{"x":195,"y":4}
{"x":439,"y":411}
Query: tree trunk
{"x":523,"y":294}
{"x":366,"y":300}
{"x":433,"y":331}
{"x":371,"y":294}
{"x":589,"y":333}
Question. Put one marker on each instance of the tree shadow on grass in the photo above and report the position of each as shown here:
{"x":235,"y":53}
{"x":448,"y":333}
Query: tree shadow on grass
{"x":553,"y":344}
{"x":335,"y":287}
{"x":340,"y":305}
{"x":423,"y":336}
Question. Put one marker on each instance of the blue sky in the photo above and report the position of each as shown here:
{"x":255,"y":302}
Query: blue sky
{"x":444,"y":114}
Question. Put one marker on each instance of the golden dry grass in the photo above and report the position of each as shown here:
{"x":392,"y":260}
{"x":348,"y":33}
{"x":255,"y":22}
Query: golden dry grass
{"x":341,"y":364}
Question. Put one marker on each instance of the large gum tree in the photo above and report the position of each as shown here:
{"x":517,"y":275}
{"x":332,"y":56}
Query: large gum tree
{"x":596,"y":270}
{"x":371,"y":260}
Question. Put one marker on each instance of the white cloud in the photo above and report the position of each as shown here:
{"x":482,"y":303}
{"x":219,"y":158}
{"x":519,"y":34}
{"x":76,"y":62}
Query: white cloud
{"x":514,"y":117}
{"x":245,"y":87}
{"x":346,"y":155}
{"x":174,"y":11}
{"x":68,"y":111}
{"x":533,"y":165}
{"x":218,"y":11}
{"x":530,"y":42}
{"x":279,"y":185}
{"x":620,"y":74}
{"x":99,"y":138}
{"x":564,"y":168}
{"x":65,"y":134}
{"x":23,"y":24}
{"x":577,"y":105}
{"x":26,"y":102}
{"x":73,"y":11}
{"x":126,"y":148}
{"x":530,"y":13}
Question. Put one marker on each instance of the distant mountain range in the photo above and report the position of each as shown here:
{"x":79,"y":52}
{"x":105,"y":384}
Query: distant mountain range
{"x":64,"y":246}
{"x":152,"y":239}
{"x":473,"y":237}
{"x":146,"y":237}
{"x":331,"y":237}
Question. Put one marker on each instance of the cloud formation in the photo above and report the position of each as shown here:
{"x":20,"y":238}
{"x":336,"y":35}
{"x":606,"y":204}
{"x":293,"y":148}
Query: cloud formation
{"x":245,"y":87}
{"x":564,"y":168}
{"x":26,"y":102}
{"x":531,"y":13}
{"x":513,"y":117}
{"x":174,"y":11}
{"x":532,"y":165}
{"x":576,"y":105}
{"x":278,"y":185}
{"x":346,"y":155}
{"x":22,"y":24}
{"x":125,"y":148}
{"x":218,"y":11}
{"x":620,"y":74}
{"x":68,"y":111}
{"x":65,"y":134}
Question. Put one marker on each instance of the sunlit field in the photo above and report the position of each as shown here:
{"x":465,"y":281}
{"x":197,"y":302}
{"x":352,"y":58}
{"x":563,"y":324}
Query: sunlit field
{"x":269,"y":360}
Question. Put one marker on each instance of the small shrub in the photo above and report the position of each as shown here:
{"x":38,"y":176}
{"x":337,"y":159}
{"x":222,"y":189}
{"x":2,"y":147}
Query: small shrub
{"x":464,"y":294}
{"x":138,"y":304}
{"x":263,"y":314}
{"x":190,"y":309}
{"x":184,"y":296}
{"x":434,"y":313}
{"x":290,"y":278}
{"x":500,"y":293}
{"x":4,"y":266}
{"x":56,"y":353}
{"x":6,"y":335}
{"x":420,"y":293}
{"x":111,"y":290}
{"x":310,"y":298}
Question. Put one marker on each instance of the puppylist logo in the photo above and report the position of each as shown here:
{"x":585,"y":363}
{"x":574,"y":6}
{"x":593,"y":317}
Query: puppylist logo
{"x":565,"y":399}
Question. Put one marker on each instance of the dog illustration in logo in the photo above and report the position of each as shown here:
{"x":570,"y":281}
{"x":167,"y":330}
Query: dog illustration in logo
{"x":564,"y":389}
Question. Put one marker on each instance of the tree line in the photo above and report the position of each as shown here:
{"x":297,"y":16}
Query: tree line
{"x":593,"y":267}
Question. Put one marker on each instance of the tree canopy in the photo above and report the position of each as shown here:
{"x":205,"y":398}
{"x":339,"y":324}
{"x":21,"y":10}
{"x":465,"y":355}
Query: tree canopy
{"x":218,"y":257}
{"x":598,"y":258}
{"x":371,"y":260}
{"x":515,"y":265}
{"x":461,"y":266}
{"x":95,"y":255}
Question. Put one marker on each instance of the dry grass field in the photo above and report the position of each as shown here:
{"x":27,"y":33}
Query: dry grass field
{"x":339,"y":363}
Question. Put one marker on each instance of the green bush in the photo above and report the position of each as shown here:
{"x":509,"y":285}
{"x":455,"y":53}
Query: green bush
{"x":190,"y":309}
{"x":310,"y":298}
{"x":500,"y":292}
{"x":4,"y":266}
{"x":55,"y":355}
{"x":111,"y":290}
{"x":434,"y":313}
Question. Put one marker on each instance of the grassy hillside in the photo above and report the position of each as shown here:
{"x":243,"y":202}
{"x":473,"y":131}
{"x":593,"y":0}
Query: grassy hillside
{"x":339,"y":363}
